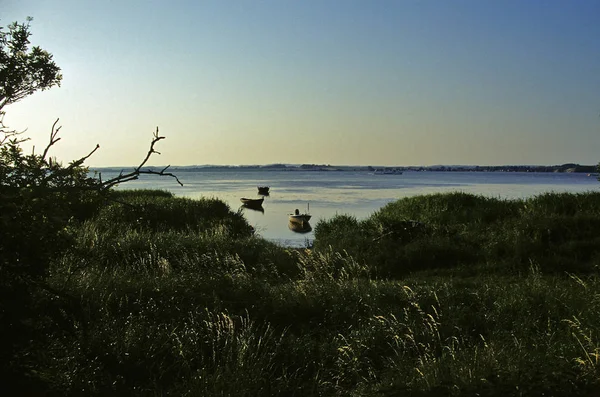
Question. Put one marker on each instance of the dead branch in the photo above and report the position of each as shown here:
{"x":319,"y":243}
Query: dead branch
{"x":9,"y":134}
{"x":53,"y":139}
{"x":138,"y":170}
{"x":152,"y":150}
{"x":79,"y":162}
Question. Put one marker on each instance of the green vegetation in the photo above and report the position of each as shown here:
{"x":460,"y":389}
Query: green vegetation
{"x":175,"y":296}
{"x":556,"y":232}
{"x":108,"y":292}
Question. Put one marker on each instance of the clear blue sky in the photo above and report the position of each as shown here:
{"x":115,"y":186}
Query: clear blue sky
{"x":379,"y":82}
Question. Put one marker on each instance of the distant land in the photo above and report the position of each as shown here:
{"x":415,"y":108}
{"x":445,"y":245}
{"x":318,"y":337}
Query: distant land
{"x":570,"y":167}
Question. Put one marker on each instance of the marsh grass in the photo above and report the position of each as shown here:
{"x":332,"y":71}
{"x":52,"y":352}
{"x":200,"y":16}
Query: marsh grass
{"x":161,"y":212}
{"x":321,"y":335}
{"x":421,"y":299}
{"x":556,"y":231}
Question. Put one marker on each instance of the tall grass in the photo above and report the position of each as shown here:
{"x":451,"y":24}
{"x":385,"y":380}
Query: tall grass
{"x":322,"y":335}
{"x":440,"y":231}
{"x":438,"y":295}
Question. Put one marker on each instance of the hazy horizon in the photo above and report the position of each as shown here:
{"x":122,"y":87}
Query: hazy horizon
{"x":291,"y":165}
{"x":346,"y":82}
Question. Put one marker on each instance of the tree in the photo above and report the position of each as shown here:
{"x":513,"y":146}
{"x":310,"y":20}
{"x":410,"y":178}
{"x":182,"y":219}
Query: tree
{"x":23,"y":70}
{"x":38,"y":195}
{"x":31,"y":221}
{"x":39,"y":199}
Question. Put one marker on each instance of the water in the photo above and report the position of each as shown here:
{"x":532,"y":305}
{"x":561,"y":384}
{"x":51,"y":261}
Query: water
{"x":356,"y":193}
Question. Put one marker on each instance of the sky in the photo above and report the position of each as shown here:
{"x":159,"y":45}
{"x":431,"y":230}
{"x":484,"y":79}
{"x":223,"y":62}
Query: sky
{"x":345,"y":82}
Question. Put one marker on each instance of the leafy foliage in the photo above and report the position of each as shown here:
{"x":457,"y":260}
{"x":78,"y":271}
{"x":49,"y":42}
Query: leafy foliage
{"x":41,"y":201}
{"x":36,"y":192}
{"x":23,"y":70}
{"x":39,"y":197}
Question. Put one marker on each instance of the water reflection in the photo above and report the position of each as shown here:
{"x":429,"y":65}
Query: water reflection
{"x":299,"y":227}
{"x":257,"y":208}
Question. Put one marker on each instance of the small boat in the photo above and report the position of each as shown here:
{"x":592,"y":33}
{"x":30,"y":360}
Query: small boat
{"x":298,"y":227}
{"x":252,"y":202}
{"x":297,"y":217}
{"x":264,"y":190}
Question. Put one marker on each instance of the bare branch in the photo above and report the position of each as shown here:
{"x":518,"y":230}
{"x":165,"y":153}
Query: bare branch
{"x":9,"y":134}
{"x":12,"y":135}
{"x":135,"y":175}
{"x":79,"y":162}
{"x":152,"y":150}
{"x":53,"y":139}
{"x":138,"y":170}
{"x":162,"y":173}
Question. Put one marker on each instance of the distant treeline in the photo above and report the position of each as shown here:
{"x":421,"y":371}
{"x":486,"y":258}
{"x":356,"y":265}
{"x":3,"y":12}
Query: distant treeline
{"x":570,"y":167}
{"x":513,"y":168}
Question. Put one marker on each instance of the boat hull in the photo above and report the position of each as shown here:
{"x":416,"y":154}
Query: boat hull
{"x":302,"y":218}
{"x":298,"y":227}
{"x":252,"y":202}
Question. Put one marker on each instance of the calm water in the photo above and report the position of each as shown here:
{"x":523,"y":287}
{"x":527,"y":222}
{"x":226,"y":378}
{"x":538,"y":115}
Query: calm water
{"x":347,"y":192}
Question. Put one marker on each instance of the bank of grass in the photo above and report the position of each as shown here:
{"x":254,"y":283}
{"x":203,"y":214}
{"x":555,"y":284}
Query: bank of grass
{"x":435,"y":295}
{"x":557,"y":232}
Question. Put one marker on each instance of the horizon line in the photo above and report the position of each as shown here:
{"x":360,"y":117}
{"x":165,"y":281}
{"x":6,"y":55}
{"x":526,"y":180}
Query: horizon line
{"x":295,"y":165}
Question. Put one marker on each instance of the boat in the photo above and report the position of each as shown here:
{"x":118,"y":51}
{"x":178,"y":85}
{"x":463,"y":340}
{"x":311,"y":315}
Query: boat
{"x":298,"y":227}
{"x":264,"y":190}
{"x":300,"y":218}
{"x":252,"y":202}
{"x":297,"y":217}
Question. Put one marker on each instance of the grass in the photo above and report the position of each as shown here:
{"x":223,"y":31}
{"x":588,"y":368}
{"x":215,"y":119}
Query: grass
{"x":440,"y":295}
{"x":555,"y":231}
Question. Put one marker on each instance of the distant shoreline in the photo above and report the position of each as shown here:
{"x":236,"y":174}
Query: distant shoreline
{"x":563,"y":168}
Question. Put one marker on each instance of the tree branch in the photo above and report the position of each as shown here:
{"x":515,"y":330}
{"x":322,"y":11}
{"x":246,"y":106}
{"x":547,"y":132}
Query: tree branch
{"x":138,"y":170}
{"x":53,"y":139}
{"x":152,"y":150}
{"x":79,"y":162}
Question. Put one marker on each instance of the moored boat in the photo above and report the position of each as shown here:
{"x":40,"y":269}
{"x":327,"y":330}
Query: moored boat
{"x":297,"y":217}
{"x":300,"y":218}
{"x":252,"y":202}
